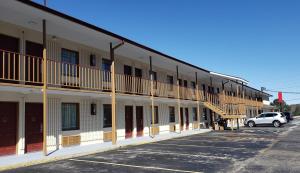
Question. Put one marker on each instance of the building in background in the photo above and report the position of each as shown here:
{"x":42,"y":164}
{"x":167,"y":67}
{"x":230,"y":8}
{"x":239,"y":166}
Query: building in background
{"x":65,"y":82}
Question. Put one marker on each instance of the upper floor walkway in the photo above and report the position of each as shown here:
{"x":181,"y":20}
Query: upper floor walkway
{"x":26,"y":70}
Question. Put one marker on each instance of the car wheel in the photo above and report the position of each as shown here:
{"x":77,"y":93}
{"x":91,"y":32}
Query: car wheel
{"x":251,"y":124}
{"x":276,"y":124}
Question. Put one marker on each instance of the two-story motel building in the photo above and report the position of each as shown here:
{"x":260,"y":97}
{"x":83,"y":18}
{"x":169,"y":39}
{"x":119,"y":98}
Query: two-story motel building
{"x":65,"y":82}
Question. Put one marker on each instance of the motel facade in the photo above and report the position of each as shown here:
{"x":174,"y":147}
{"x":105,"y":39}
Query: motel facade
{"x":65,"y":82}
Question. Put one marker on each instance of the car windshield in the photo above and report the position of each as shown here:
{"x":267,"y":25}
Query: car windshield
{"x":260,"y":116}
{"x":282,"y":115}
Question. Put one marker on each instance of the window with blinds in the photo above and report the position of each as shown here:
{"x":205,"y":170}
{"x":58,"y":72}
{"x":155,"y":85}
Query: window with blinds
{"x":155,"y":115}
{"x":70,"y":116}
{"x":172,"y":114}
{"x":195,"y":116}
{"x":107,"y":115}
{"x":70,"y":62}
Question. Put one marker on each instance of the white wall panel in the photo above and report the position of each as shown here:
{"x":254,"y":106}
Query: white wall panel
{"x":53,"y":50}
{"x":54,"y":124}
{"x":89,"y":124}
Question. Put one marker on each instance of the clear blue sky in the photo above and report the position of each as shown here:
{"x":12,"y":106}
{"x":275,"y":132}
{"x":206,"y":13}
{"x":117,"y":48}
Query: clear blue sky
{"x":258,"y":40}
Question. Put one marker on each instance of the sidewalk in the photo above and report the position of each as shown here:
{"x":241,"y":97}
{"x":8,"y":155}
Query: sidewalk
{"x":14,"y":161}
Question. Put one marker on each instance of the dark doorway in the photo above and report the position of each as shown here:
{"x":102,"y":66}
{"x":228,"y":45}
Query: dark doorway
{"x":139,"y":121}
{"x":181,"y":118}
{"x":128,"y":121}
{"x":33,"y":127}
{"x":139,"y":74}
{"x":127,"y":70}
{"x":204,"y":92}
{"x":8,"y":128}
{"x":128,"y":78}
{"x":179,"y":82}
{"x":185,"y":83}
{"x":154,"y":80}
{"x":187,"y":122}
{"x":10,"y":59}
{"x":33,"y":63}
{"x":211,"y":118}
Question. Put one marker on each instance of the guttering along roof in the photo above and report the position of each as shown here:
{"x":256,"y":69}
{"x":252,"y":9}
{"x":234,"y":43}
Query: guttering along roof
{"x":230,"y":77}
{"x":96,"y":28}
{"x":234,"y":79}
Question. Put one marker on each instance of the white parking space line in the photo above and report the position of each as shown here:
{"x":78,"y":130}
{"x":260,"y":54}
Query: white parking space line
{"x":197,"y":146}
{"x":217,"y":141}
{"x":135,"y":166}
{"x":226,"y":138}
{"x":194,"y":140}
{"x":173,"y":153}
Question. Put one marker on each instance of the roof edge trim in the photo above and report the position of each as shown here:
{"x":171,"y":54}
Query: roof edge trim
{"x":230,"y":77}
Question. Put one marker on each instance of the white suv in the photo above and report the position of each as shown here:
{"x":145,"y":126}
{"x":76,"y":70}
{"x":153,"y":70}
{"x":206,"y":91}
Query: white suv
{"x":275,"y":118}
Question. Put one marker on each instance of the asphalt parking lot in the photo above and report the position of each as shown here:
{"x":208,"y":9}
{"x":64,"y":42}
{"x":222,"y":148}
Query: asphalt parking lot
{"x":246,"y":150}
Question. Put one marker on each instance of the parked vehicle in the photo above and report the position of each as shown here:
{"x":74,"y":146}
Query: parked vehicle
{"x":267,"y":118}
{"x":288,"y":116}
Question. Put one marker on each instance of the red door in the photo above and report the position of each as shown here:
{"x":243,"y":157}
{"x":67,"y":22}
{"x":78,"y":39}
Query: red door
{"x":139,"y":120}
{"x":187,"y":122}
{"x":181,"y":118}
{"x":128,"y":121}
{"x":33,"y":127}
{"x":8,"y":128}
{"x":9,"y":46}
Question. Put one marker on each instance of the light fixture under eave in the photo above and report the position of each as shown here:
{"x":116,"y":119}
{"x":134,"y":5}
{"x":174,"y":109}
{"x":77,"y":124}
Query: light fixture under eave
{"x":54,"y":38}
{"x":31,"y":22}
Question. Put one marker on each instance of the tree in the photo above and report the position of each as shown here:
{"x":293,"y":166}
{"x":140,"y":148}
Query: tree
{"x":281,"y":106}
{"x":297,"y":110}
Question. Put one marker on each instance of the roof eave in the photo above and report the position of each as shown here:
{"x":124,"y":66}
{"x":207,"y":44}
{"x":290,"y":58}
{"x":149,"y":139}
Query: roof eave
{"x":96,"y":28}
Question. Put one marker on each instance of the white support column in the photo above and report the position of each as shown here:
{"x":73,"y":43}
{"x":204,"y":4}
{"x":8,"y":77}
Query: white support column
{"x":134,"y":131}
{"x":21,"y":127}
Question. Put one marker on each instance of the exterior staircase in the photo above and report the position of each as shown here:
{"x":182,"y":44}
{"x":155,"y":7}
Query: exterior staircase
{"x":224,"y":109}
{"x":214,"y":108}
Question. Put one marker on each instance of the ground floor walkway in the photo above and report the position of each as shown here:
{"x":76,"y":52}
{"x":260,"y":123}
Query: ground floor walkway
{"x":260,"y":149}
{"x":75,"y":151}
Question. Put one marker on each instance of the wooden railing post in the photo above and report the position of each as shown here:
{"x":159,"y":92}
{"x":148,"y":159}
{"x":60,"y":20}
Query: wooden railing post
{"x":113,"y":93}
{"x":232,"y":101}
{"x":178,"y":98}
{"x":198,"y":101}
{"x":45,"y":99}
{"x":238,"y":99}
{"x":243,"y":96}
{"x":239,"y":105}
{"x":210,"y":94}
{"x":223,"y":102}
{"x":256,"y":106}
{"x":152,"y":97}
{"x":251,"y":104}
